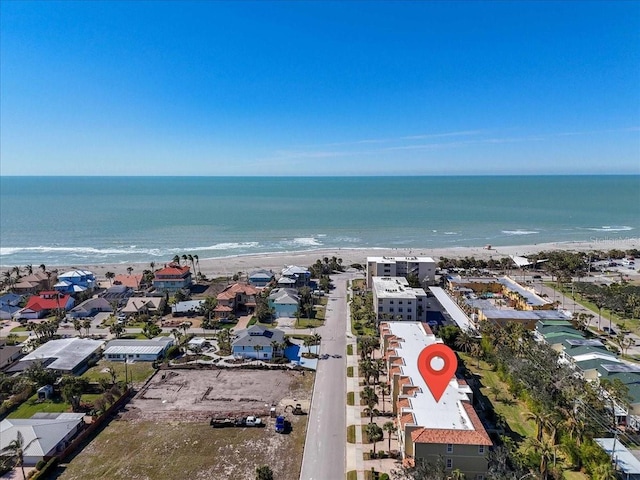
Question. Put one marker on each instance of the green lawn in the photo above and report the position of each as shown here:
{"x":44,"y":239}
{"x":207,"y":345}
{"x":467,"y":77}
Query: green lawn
{"x":137,"y":371}
{"x":351,"y":434}
{"x":568,"y":475}
{"x":32,"y":406}
{"x":350,"y":349}
{"x":351,"y":398}
{"x":349,"y":371}
{"x":309,"y":323}
{"x":19,"y":329}
{"x":496,"y":391}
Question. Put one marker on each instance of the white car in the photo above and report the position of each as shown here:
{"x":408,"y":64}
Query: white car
{"x":253,"y":422}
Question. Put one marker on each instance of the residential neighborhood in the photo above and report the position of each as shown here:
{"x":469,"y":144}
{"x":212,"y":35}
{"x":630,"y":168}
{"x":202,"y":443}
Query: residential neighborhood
{"x":92,"y":345}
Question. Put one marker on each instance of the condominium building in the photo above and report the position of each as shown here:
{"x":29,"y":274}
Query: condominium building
{"x":394,"y":299}
{"x":430,"y":430}
{"x":422,"y":267}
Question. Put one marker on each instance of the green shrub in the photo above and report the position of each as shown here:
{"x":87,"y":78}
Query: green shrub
{"x":384,"y":476}
{"x":40,"y":465}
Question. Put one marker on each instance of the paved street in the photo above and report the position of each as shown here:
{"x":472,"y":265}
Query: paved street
{"x":324,"y":452}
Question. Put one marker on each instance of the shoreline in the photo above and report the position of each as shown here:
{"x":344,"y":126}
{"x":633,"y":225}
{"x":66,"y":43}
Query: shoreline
{"x":229,"y":265}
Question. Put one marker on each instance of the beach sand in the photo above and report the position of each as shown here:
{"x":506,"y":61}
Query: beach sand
{"x":227,"y":266}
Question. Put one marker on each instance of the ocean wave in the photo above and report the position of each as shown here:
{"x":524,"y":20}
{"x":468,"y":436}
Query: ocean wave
{"x":6,"y":251}
{"x":228,"y":246}
{"x":450,"y":233}
{"x":306,"y":242}
{"x":606,"y":228}
{"x":519,"y":232}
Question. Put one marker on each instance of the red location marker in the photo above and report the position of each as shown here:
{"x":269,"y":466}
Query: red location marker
{"x":437,"y":380}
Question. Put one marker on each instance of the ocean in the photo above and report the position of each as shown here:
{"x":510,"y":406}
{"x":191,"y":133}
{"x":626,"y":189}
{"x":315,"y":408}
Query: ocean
{"x":96,"y":220}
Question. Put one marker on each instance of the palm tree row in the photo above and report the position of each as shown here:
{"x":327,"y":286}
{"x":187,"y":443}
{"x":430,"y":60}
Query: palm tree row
{"x":194,"y":260}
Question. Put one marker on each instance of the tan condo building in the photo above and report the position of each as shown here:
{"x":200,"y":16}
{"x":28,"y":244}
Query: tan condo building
{"x":422,"y":267}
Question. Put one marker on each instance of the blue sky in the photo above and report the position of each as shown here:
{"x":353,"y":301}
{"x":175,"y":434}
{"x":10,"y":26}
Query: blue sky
{"x":319,"y":88}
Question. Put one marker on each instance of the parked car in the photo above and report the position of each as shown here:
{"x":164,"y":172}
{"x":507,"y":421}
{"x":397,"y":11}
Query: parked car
{"x":609,"y":331}
{"x":280,"y":424}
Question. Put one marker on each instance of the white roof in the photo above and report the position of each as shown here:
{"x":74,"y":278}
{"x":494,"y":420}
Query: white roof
{"x":448,"y":413}
{"x":452,"y":308}
{"x":40,"y":435}
{"x":137,"y":347}
{"x":68,"y":352}
{"x":400,"y":259}
{"x":623,"y":458}
{"x":395,"y":287}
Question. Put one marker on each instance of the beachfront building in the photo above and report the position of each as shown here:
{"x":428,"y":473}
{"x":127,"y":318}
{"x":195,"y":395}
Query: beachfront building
{"x":172,"y":278}
{"x":294,"y":276}
{"x":47,"y":303}
{"x":429,"y":430}
{"x":258,"y":342}
{"x":137,"y":350}
{"x":424,"y":268}
{"x":9,"y":354}
{"x":133,"y":281}
{"x":261,"y":278}
{"x":76,"y":281}
{"x":394,"y":299}
{"x":33,"y":283}
{"x":284,"y":302}
{"x":517,"y":296}
{"x":65,"y":356}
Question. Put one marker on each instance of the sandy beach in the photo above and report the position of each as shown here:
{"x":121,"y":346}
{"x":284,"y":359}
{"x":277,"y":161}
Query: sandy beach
{"x":227,"y":266}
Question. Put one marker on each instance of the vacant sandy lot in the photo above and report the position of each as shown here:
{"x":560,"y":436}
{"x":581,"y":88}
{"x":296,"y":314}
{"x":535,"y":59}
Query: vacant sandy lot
{"x":197,"y":395}
{"x":164,"y":432}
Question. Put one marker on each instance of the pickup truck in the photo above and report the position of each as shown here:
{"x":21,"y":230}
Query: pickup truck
{"x":253,"y":422}
{"x":280,"y":424}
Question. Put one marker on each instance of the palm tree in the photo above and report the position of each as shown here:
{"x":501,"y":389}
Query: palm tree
{"x":110,"y":276}
{"x":370,"y":398}
{"x":184,"y":257}
{"x":390,"y":428}
{"x":29,"y":269}
{"x":129,"y":270}
{"x":176,"y":259}
{"x":86,"y":324}
{"x":193,"y":265}
{"x":274,"y":347}
{"x":464,"y":341}
{"x":16,"y":449}
{"x":385,"y":389}
{"x":540,"y":419}
{"x":43,"y":267}
{"x":197,"y":260}
{"x":116,"y":329}
{"x":374,"y":432}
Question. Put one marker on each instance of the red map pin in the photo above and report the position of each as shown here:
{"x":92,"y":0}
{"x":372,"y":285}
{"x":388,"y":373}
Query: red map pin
{"x":437,"y":364}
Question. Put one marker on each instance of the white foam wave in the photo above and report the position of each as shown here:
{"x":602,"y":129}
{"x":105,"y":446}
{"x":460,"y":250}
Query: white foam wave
{"x":519,"y":232}
{"x":5,"y":251}
{"x":228,"y":246}
{"x":450,"y":233}
{"x":307,"y":241}
{"x":607,"y":228}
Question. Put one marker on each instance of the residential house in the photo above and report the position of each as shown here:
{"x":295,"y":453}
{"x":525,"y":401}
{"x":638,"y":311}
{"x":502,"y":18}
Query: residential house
{"x":76,"y":281}
{"x":144,"y":305}
{"x":9,"y":305}
{"x":44,"y":434}
{"x":300,"y":276}
{"x":90,"y":308}
{"x":261,"y":278}
{"x":137,"y":350}
{"x":172,"y":278}
{"x":65,"y":356}
{"x":429,"y":430}
{"x":624,"y":461}
{"x":9,"y":354}
{"x":44,"y":304}
{"x":238,"y":299}
{"x":258,"y":342}
{"x":119,"y":294}
{"x":187,"y":308}
{"x":34,"y":283}
{"x":394,"y":299}
{"x":284,"y":302}
{"x":424,"y":268}
{"x":131,"y":281}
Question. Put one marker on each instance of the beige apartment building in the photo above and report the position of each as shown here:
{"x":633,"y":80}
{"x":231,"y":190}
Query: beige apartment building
{"x":394,"y":299}
{"x":423,"y":267}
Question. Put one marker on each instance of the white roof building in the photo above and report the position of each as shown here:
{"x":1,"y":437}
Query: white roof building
{"x":422,"y":267}
{"x":394,"y":299}
{"x":68,"y":355}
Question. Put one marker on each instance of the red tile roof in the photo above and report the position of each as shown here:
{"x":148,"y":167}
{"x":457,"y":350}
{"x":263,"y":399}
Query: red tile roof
{"x":477,"y":436}
{"x":231,"y":291}
{"x":173,"y":270}
{"x":132,"y":281}
{"x":47,"y":301}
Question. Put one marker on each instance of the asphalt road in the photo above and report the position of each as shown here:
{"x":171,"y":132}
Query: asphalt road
{"x":325,"y":447}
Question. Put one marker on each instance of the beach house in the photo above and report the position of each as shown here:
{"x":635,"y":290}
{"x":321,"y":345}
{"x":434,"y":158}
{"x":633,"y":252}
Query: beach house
{"x":44,"y":304}
{"x":294,"y":276}
{"x":172,"y":278}
{"x":9,"y":305}
{"x":238,"y":299}
{"x":65,"y":356}
{"x":260,"y":278}
{"x":284,"y":302}
{"x":34,"y":283}
{"x":137,"y":350}
{"x":76,"y":281}
{"x":90,"y":308}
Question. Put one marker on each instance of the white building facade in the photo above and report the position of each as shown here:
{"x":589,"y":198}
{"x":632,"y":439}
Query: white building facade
{"x":394,"y":299}
{"x":422,"y":267}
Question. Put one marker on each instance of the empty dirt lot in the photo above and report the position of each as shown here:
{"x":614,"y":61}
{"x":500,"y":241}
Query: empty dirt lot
{"x":164,"y":432}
